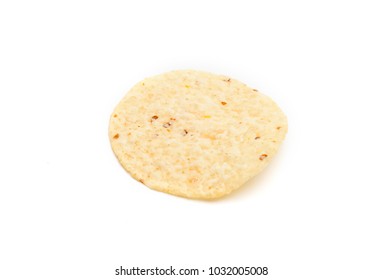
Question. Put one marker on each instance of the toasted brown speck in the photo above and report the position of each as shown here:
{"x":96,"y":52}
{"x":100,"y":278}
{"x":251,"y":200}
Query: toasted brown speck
{"x":256,"y":138}
{"x":166,"y":125}
{"x":255,"y":89}
{"x":185,"y":132}
{"x":223,"y":103}
{"x":142,"y":181}
{"x":153,"y":118}
{"x":227,"y":80}
{"x":116,"y":136}
{"x":115,"y":116}
{"x":278,"y":127}
{"x":263,"y":156}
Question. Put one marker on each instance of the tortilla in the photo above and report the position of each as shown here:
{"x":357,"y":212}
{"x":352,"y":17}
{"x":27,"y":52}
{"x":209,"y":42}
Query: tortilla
{"x":195,"y":134}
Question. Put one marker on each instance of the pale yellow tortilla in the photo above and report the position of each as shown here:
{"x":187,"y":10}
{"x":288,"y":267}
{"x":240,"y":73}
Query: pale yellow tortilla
{"x":195,"y":134}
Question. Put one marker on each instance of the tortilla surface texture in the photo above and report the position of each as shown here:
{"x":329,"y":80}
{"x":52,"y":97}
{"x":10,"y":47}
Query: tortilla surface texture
{"x":195,"y":134}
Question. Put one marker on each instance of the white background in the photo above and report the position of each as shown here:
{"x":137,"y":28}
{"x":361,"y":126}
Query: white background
{"x":69,"y":211}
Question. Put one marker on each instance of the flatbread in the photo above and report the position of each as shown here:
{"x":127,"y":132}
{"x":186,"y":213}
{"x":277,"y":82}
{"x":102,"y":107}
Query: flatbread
{"x":195,"y":134}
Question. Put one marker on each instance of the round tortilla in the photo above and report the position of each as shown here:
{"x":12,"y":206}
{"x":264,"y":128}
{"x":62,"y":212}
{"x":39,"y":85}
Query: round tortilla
{"x":195,"y":134}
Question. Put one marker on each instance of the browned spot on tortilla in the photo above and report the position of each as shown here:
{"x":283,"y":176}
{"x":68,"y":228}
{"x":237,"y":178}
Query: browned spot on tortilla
{"x":223,"y":103}
{"x":115,"y":116}
{"x":116,"y":136}
{"x":263,"y":156}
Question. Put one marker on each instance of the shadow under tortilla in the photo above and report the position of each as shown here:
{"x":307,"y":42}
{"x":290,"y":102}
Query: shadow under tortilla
{"x":251,"y":186}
